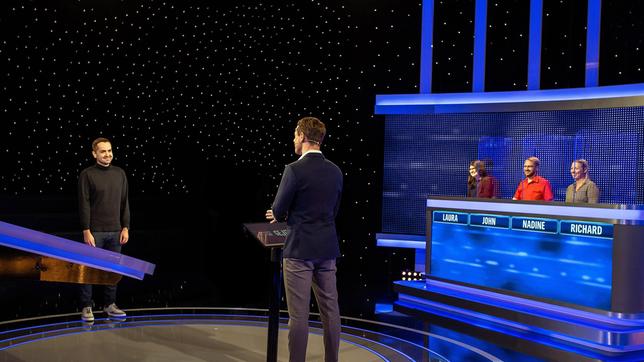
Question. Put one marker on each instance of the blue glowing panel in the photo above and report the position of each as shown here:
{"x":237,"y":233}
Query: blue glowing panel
{"x":563,"y":260}
{"x":429,"y":155}
{"x":480,"y":32}
{"x":534,"y":46}
{"x":426,"y":49}
{"x":592,"y":42}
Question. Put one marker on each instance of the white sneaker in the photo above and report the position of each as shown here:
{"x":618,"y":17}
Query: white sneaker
{"x":87,"y":315}
{"x":114,"y":312}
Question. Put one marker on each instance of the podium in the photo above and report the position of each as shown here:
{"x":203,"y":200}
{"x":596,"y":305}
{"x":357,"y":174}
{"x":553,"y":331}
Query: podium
{"x":272,"y":236}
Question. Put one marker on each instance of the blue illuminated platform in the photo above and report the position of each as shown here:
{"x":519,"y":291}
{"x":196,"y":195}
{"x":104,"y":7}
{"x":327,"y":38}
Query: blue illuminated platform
{"x":586,"y":332}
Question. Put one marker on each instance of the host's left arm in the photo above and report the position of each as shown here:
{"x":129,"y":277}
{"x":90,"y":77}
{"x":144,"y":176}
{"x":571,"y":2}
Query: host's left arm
{"x":285,"y":194}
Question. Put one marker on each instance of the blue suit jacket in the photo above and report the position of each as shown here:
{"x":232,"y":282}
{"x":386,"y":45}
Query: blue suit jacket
{"x":308,"y":199}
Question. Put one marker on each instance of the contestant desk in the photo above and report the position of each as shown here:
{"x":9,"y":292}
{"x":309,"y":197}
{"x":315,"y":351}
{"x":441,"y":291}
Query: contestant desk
{"x":31,"y":254}
{"x":569,"y":270}
{"x":571,"y":254}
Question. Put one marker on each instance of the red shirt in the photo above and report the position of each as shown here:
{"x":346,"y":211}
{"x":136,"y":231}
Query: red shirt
{"x":537,"y":189}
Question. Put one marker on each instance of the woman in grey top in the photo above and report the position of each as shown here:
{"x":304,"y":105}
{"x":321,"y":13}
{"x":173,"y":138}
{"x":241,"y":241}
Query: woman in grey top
{"x":583,"y":189}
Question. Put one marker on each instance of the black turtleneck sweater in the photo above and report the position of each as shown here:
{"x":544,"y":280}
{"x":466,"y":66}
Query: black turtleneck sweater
{"x":102,"y":198}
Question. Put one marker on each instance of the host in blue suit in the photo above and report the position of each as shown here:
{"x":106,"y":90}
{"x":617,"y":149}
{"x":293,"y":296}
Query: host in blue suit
{"x":308,"y":199}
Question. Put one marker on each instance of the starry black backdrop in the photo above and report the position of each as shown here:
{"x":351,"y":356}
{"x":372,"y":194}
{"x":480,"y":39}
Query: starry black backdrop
{"x":200,"y":99}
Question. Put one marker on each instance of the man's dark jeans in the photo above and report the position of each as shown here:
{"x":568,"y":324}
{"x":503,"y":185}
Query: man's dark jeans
{"x":108,"y":241}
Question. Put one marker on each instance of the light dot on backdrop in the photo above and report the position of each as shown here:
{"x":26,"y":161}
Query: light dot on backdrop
{"x":161,"y":80}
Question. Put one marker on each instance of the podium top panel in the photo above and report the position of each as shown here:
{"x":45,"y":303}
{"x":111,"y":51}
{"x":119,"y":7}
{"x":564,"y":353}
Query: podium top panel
{"x":40,"y":243}
{"x":269,"y":234}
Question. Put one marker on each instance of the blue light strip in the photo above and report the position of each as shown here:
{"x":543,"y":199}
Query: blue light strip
{"x":534,"y":45}
{"x":581,"y":98}
{"x":592,"y":42}
{"x":539,"y":209}
{"x":480,"y":30}
{"x":401,"y":241}
{"x":392,"y":243}
{"x":549,"y":310}
{"x":426,"y":47}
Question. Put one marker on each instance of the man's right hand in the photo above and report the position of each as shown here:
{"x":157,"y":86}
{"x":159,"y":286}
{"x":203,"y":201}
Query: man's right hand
{"x":270,"y":216}
{"x":89,"y":238}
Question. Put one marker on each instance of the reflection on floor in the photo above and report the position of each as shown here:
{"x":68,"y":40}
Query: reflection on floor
{"x":196,"y":334}
{"x":188,"y":342}
{"x":218,"y":334}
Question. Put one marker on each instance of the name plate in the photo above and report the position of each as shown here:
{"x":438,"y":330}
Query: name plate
{"x":534,"y":224}
{"x":586,"y":229}
{"x":451,"y":217}
{"x":493,"y":221}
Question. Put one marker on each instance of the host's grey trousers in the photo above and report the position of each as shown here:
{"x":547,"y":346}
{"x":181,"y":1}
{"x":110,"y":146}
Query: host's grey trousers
{"x":299,"y":277}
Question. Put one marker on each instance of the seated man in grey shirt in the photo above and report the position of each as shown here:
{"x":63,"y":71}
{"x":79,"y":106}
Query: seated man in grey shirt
{"x":583,"y":190}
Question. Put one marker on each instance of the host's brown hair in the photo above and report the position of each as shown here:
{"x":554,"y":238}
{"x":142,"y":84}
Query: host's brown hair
{"x":312,"y":128}
{"x":99,"y":140}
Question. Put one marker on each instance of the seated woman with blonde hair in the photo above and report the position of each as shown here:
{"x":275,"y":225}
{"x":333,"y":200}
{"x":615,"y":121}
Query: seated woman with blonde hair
{"x":583,"y":190}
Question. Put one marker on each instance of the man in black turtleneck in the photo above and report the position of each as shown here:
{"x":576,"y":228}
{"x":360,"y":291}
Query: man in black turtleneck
{"x":105,"y":217}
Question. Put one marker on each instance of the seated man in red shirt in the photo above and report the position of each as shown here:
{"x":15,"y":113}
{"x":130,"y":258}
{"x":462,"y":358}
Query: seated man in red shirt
{"x":533,"y":187}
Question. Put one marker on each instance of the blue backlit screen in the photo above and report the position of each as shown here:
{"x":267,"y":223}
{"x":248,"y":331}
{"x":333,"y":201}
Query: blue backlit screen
{"x":562,"y":260}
